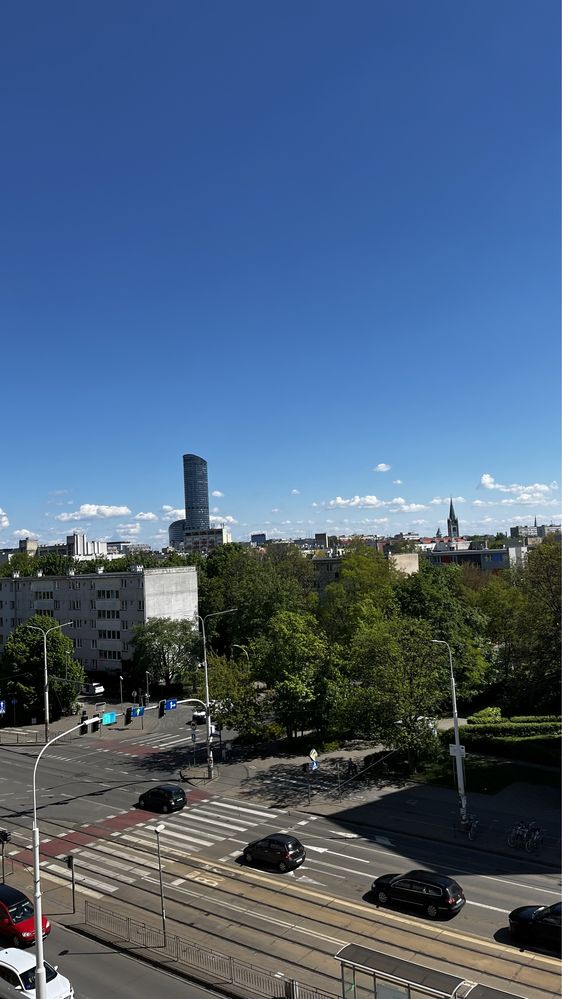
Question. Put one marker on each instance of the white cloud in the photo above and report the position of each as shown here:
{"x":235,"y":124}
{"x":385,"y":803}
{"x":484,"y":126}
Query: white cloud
{"x":381,"y":467}
{"x":146,"y":516}
{"x":408,"y":508}
{"x":314,"y":504}
{"x":447,"y":499}
{"x":128,"y":529}
{"x":275,"y":509}
{"x":172,"y":512}
{"x":24,"y":534}
{"x":295,"y":492}
{"x":4,"y":522}
{"x":358,"y":501}
{"x":217,"y":493}
{"x":397,"y":482}
{"x":285,"y":521}
{"x":218,"y":521}
{"x":532,"y":493}
{"x":98,"y":510}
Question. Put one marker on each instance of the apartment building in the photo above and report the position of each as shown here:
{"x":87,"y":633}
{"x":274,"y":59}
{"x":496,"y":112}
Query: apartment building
{"x":103,"y":607}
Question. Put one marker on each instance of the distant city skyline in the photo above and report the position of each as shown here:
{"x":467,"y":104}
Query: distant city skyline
{"x":316,"y":244}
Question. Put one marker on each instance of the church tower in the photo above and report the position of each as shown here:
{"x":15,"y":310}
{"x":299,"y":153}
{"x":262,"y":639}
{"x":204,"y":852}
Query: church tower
{"x":452,"y":522}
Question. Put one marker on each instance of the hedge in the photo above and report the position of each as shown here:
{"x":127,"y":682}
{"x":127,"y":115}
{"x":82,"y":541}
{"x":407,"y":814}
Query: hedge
{"x":509,"y":728}
{"x":521,"y":719}
{"x":544,"y":749}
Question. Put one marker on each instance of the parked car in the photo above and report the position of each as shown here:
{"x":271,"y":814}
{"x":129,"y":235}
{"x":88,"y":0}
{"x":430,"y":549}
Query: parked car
{"x":281,"y":851}
{"x":217,"y":708}
{"x":17,"y":917}
{"x":537,"y":924}
{"x":436,"y":894}
{"x":93,"y":689}
{"x":163,"y":798}
{"x":17,"y":967}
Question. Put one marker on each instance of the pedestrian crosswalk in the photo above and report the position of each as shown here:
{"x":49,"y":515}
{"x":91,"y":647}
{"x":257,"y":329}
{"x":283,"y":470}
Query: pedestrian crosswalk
{"x":142,"y":744}
{"x":129,"y":855}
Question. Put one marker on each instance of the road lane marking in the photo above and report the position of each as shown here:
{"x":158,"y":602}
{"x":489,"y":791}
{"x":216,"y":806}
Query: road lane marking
{"x":481,"y":905}
{"x":333,"y":853}
{"x":518,"y":884}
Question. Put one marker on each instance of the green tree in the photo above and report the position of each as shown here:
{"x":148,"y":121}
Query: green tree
{"x":400,"y":684}
{"x":22,"y":669}
{"x":167,"y":649}
{"x":365,"y":575}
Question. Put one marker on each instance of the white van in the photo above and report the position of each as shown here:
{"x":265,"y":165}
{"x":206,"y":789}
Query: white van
{"x":93,"y":689}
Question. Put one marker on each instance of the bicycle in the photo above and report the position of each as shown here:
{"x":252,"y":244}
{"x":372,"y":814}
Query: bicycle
{"x":470,"y":826}
{"x":517,"y":835}
{"x":534,"y":840}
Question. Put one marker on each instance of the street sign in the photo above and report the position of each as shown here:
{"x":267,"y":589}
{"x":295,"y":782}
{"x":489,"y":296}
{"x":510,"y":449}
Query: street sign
{"x":313,"y":754}
{"x":453,"y":750}
{"x":2,"y":707}
{"x":171,"y":703}
{"x":137,"y":712}
{"x":109,"y":718}
{"x":313,"y":765}
{"x":193,"y":726}
{"x":14,"y":700}
{"x":194,"y":736}
{"x":99,"y":706}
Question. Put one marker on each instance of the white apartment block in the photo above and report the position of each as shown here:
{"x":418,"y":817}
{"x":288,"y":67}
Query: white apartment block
{"x":104,"y":607}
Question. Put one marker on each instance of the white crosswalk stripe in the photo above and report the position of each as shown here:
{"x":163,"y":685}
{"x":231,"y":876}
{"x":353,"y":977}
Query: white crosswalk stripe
{"x":131,"y":854}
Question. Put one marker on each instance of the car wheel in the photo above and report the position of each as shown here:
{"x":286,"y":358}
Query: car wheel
{"x":283,"y":866}
{"x":248,"y":858}
{"x":142,"y":802}
{"x":16,"y":942}
{"x":432,"y":911}
{"x":381,"y":897}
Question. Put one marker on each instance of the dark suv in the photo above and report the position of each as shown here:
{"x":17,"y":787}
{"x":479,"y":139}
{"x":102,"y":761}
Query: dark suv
{"x":163,"y":798}
{"x":537,"y":924}
{"x":281,"y":851}
{"x":436,"y":894}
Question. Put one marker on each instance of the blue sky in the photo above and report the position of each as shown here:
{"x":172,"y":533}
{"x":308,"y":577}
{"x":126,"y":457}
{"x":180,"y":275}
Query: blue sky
{"x":303,"y":240}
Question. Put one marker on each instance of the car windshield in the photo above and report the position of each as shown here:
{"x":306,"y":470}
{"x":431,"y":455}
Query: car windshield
{"x":21,"y":910}
{"x":28,"y":977}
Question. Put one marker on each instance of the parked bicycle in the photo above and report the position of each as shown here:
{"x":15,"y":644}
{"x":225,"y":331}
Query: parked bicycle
{"x":470,"y":826}
{"x":526,"y":836}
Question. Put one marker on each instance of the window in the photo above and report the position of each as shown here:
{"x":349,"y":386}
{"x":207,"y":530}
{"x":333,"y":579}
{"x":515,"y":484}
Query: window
{"x":141,"y":605}
{"x":108,"y":614}
{"x":77,"y":643}
{"x":125,"y":625}
{"x":74,"y":604}
{"x":123,"y":605}
{"x":44,"y":595}
{"x":94,"y":643}
{"x":107,"y":594}
{"x":56,"y":604}
{"x":109,"y":654}
{"x":123,"y":582}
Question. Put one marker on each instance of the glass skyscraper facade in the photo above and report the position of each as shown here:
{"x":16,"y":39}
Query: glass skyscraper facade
{"x":196,"y":489}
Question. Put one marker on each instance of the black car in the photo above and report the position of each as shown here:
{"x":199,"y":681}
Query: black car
{"x":537,"y":924}
{"x":436,"y":894}
{"x":163,"y":798}
{"x":281,"y":851}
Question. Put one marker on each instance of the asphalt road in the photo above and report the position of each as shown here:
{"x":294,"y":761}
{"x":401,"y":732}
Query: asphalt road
{"x":86,"y":796}
{"x":97,"y":971}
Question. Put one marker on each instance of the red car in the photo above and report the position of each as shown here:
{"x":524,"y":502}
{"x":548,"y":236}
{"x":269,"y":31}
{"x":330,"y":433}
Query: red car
{"x":17,"y":917}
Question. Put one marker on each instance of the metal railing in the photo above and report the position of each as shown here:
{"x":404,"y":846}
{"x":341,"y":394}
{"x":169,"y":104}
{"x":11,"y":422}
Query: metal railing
{"x":219,"y":966}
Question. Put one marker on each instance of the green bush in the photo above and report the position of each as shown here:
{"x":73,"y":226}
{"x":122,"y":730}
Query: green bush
{"x":543,"y":749}
{"x":505,"y":728}
{"x":486,"y":715}
{"x":522,"y":719}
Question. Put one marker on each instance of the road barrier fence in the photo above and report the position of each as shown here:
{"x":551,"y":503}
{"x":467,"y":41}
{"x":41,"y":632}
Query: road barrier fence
{"x":219,"y":966}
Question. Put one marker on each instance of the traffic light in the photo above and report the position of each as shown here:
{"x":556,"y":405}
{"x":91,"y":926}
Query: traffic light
{"x":128,"y":715}
{"x":70,"y":862}
{"x":5,"y":836}
{"x":83,"y":719}
{"x":161,"y":709}
{"x":95,"y":726}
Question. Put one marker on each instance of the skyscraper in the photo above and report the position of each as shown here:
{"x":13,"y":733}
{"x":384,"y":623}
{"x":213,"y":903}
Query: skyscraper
{"x":196,"y":489}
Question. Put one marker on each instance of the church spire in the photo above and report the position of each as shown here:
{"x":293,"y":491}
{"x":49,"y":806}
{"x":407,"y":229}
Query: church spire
{"x":452,"y":522}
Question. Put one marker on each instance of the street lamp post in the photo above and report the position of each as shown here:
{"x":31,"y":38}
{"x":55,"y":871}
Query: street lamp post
{"x":242,"y":649}
{"x":121,"y":693}
{"x":40,"y":977}
{"x":202,"y":620}
{"x":147,"y":674}
{"x":458,"y":748}
{"x":46,"y":632}
{"x":160,"y":829}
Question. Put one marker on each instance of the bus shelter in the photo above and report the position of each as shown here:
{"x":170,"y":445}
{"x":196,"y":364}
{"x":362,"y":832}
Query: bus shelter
{"x":370,"y":974}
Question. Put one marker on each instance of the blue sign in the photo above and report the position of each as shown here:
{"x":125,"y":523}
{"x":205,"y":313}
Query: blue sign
{"x":2,"y":707}
{"x":137,"y":712}
{"x":14,"y":700}
{"x":109,"y":718}
{"x":194,"y":736}
{"x":313,"y":765}
{"x":171,"y":704}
